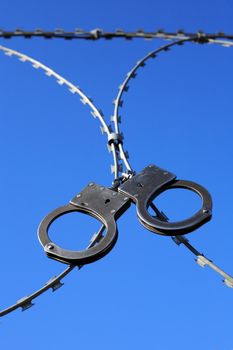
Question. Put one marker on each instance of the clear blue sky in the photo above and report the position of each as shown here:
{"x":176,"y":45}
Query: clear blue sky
{"x":147,"y":293}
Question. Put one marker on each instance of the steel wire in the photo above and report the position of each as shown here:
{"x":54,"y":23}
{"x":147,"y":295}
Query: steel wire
{"x":55,"y":282}
{"x":98,"y":33}
{"x":132,"y":74}
{"x":202,"y":260}
{"x":117,"y":149}
{"x":85,"y":99}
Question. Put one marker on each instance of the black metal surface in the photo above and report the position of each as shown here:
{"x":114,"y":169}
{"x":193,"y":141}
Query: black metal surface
{"x":145,"y":186}
{"x":103,"y":204}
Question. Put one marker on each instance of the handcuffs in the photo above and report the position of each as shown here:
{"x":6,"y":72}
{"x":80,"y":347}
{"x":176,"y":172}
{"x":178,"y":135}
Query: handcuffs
{"x":108,"y":204}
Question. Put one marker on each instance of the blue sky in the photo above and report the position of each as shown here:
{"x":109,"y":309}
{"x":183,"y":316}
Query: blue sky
{"x":147,"y":293}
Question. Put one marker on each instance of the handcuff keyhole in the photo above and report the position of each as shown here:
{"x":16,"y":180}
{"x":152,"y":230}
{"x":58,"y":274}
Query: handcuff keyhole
{"x":107,"y":201}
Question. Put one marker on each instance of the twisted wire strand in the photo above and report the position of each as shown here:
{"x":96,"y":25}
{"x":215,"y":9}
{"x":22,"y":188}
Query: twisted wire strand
{"x":201,"y":259}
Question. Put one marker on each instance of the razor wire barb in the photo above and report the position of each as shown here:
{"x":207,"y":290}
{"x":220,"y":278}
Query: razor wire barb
{"x":178,"y":38}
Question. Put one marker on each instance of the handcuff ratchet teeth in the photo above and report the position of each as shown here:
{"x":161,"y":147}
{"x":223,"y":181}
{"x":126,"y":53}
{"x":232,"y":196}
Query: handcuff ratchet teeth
{"x":108,"y":204}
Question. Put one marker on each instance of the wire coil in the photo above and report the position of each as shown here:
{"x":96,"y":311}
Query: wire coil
{"x":121,"y":167}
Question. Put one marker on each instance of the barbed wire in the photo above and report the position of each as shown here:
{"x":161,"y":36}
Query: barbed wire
{"x":119,"y":155}
{"x":98,"y":33}
{"x":201,"y":259}
{"x":54,"y":283}
{"x":132,"y":74}
{"x":84,"y":98}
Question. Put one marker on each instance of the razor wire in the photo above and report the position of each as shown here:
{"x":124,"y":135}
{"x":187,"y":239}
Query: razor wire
{"x":85,"y":99}
{"x":117,"y":149}
{"x":55,"y":283}
{"x":124,"y":86}
{"x":98,"y":33}
{"x":201,"y":259}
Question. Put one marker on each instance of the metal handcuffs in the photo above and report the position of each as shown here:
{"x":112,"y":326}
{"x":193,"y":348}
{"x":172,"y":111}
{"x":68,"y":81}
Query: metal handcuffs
{"x":108,"y":204}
